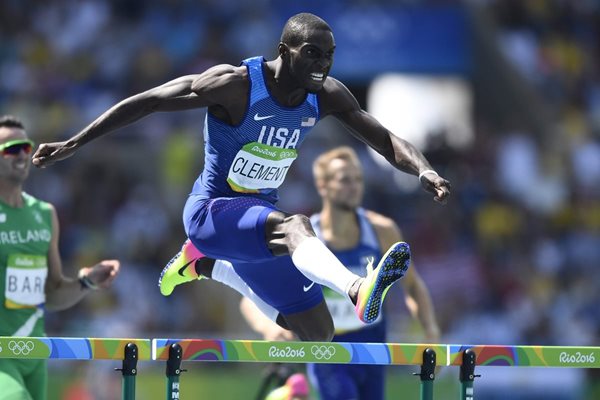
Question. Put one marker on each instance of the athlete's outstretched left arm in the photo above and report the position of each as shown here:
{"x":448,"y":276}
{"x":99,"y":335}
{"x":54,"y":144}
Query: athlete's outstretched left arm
{"x":335,"y":99}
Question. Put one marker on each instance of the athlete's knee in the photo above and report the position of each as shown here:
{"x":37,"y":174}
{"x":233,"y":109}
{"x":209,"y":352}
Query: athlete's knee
{"x":297,"y":228}
{"x":295,"y":224}
{"x":300,"y":224}
{"x":285,"y":232}
{"x":274,"y":219}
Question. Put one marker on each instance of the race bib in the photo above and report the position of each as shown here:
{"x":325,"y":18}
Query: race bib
{"x":258,"y":166}
{"x":25,"y":280}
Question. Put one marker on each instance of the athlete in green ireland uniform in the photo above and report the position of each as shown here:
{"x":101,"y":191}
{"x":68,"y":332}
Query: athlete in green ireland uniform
{"x":31,"y":278}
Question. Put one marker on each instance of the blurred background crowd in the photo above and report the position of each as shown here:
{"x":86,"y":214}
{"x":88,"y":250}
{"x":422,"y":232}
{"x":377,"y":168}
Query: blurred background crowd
{"x":513,"y":258}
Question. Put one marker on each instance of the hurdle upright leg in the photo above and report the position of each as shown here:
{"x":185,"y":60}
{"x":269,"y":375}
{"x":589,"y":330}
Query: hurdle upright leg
{"x":467,"y":375}
{"x":427,"y":374}
{"x":129,"y":371}
{"x":173,"y":371}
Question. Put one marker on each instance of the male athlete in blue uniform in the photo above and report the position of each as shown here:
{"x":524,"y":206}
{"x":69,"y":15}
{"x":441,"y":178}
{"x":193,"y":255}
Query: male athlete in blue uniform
{"x":258,"y":115}
{"x":354,"y":235}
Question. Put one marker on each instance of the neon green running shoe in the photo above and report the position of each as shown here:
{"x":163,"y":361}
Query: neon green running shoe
{"x":392,"y":266}
{"x":181,"y":269}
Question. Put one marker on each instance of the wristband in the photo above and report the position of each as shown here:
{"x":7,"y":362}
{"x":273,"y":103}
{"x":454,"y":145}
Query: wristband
{"x":427,"y":171}
{"x":85,"y":281}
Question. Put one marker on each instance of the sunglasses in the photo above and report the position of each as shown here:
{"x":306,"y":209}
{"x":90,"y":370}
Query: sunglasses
{"x":14,"y":147}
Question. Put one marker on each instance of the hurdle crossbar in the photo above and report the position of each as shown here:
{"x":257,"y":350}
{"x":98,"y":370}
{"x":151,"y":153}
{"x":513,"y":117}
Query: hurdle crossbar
{"x":376,"y":353}
{"x":298,"y":352}
{"x":174,"y":351}
{"x":71,"y":348}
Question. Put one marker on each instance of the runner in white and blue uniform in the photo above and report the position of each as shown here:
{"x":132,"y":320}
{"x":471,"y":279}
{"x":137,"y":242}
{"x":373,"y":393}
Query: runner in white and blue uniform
{"x":352,"y":381}
{"x":231,"y":212}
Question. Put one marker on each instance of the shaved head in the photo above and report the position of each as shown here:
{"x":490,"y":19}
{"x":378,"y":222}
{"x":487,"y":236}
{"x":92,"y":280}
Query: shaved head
{"x":297,"y":28}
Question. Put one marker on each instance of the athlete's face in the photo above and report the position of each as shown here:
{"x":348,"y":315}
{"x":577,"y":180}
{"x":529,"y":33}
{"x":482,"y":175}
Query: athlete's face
{"x":310,"y":62}
{"x":344,"y":185}
{"x":14,"y":165}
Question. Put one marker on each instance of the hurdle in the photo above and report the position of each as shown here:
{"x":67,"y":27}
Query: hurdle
{"x":127,"y":350}
{"x":176,"y":351}
{"x":304,"y":352}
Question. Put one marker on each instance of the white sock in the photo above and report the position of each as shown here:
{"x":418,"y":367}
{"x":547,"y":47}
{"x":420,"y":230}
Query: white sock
{"x":223,"y":272}
{"x":320,"y":265}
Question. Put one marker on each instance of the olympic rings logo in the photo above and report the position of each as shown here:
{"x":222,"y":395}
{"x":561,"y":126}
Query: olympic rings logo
{"x":21,"y":347}
{"x":323,"y":352}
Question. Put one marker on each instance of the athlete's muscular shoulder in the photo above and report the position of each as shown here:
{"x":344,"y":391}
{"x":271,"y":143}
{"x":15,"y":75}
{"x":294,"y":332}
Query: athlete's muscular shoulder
{"x":221,"y":84}
{"x":335,"y":98}
{"x":387,"y":230}
{"x":224,"y":88}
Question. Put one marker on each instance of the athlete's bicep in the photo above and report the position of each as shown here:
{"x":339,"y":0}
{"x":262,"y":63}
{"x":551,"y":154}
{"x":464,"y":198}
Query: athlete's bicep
{"x":339,"y":102}
{"x":174,"y":95}
{"x":214,"y":87}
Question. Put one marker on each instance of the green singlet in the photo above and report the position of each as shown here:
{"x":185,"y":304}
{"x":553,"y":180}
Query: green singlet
{"x":25,"y":235}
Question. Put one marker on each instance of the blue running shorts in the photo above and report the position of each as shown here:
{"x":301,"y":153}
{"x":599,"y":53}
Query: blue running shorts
{"x":233,"y":229}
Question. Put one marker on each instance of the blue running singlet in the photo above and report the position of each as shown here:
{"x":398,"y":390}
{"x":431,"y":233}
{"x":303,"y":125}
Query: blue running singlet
{"x":225,"y":214}
{"x":254,"y":156}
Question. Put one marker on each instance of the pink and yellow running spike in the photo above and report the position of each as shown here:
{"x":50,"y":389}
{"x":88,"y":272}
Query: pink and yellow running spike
{"x":296,"y":387}
{"x":181,"y":269}
{"x":392,"y":266}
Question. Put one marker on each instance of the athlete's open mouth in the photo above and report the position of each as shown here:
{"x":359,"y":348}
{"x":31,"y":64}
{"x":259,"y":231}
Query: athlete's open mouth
{"x":317,"y":76}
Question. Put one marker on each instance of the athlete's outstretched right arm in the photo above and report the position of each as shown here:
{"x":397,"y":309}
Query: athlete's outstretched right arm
{"x":175,"y":95}
{"x":338,"y":101}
